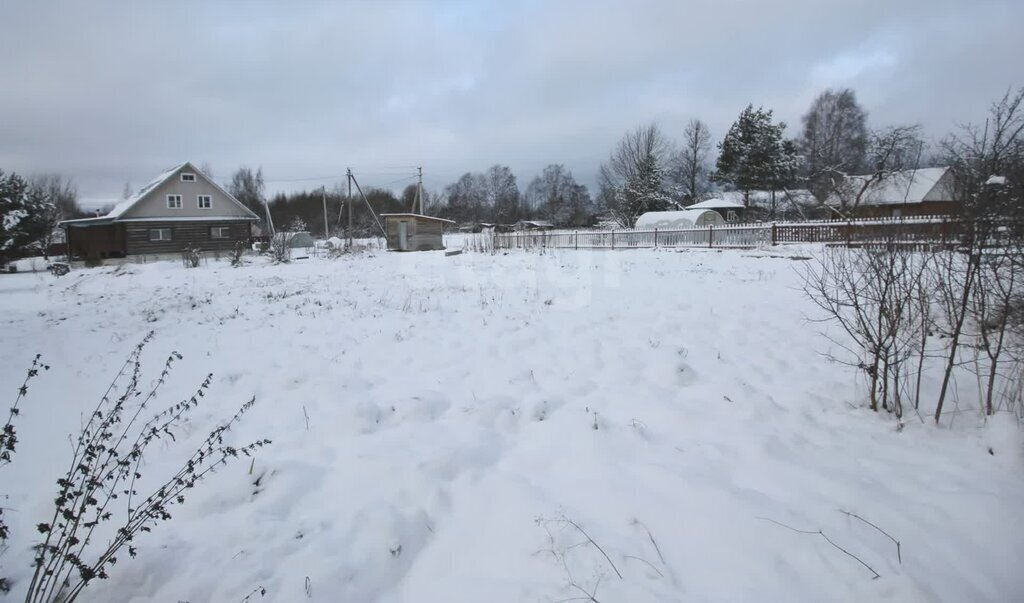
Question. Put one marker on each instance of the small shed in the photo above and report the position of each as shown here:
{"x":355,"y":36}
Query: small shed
{"x":674,"y":220}
{"x":414,"y":232}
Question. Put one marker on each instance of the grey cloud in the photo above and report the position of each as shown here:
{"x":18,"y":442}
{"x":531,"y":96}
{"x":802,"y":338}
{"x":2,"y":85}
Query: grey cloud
{"x":108,"y":92}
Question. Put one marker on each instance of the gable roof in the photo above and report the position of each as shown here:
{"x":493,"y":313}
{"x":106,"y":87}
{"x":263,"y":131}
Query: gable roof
{"x":897,"y":188}
{"x":121,"y":208}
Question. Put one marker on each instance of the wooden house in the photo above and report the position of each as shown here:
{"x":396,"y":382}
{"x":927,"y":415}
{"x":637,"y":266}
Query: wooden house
{"x":414,"y":232}
{"x":920,"y":192}
{"x":180,"y":208}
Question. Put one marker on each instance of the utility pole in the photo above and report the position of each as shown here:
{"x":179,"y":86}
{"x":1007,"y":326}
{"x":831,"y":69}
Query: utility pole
{"x":419,"y":188}
{"x":327,"y":232}
{"x":348,"y":201}
{"x":419,"y":194}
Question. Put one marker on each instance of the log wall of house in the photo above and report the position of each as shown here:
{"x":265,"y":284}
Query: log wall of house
{"x":925,"y":208}
{"x":193,"y":233}
{"x":96,"y":242}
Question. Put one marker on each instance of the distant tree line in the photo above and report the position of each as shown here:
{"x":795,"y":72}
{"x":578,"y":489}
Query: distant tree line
{"x":645,"y":171}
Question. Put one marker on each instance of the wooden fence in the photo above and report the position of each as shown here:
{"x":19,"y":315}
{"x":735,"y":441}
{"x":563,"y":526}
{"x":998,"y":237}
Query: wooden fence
{"x":917,"y":231}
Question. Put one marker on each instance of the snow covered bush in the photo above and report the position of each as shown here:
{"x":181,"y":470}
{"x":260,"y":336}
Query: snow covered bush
{"x":190,"y":256}
{"x":99,"y":510}
{"x":279,"y":247}
{"x":236,"y":254}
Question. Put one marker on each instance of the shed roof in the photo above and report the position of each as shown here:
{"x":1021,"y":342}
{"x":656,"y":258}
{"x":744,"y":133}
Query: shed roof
{"x":417,"y":216}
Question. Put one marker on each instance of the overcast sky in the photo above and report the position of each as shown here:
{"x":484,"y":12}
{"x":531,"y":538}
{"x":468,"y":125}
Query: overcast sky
{"x":113,"y":92}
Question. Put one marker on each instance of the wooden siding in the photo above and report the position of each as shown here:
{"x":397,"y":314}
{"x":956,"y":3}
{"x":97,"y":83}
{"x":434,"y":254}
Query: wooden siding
{"x":195,"y":234}
{"x":925,"y":208}
{"x":96,"y":242}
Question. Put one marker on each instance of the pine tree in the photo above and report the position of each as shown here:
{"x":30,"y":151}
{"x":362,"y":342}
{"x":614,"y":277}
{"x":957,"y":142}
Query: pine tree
{"x":754,"y":154}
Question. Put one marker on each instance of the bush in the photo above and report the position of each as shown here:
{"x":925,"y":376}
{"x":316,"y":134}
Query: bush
{"x":237,"y":252}
{"x":8,"y":445}
{"x":89,"y":529}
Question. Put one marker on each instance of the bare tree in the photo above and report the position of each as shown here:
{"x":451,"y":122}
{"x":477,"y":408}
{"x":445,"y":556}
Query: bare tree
{"x":632,"y":179}
{"x":502,"y":193}
{"x":689,"y":167}
{"x":834,"y":140}
{"x":59,"y":198}
{"x":247,"y":186}
{"x":981,"y":279}
{"x":556,"y":196}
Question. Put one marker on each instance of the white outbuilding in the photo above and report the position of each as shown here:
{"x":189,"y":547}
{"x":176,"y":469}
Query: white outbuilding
{"x":675,"y":220}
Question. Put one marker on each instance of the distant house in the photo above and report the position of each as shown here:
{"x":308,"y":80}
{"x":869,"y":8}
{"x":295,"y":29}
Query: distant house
{"x":732,"y":211}
{"x":920,"y":192}
{"x":675,"y":220}
{"x":774,"y":205}
{"x":180,"y":207}
{"x":533,"y":225}
{"x":414,"y":232}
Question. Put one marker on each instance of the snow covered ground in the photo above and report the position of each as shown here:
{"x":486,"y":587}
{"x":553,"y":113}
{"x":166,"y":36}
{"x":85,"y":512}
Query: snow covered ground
{"x":462,"y":411}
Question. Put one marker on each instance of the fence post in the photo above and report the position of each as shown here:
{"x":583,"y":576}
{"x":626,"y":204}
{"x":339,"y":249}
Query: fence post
{"x":849,"y":233}
{"x":775,"y":234}
{"x":613,"y":239}
{"x":576,"y":239}
{"x":711,"y":235}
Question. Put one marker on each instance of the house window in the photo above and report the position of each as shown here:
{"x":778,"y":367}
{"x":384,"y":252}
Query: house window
{"x":220,"y":232}
{"x":187,"y":177}
{"x":204,"y":201}
{"x":159,"y":234}
{"x":173,"y":201}
{"x":730,"y":216}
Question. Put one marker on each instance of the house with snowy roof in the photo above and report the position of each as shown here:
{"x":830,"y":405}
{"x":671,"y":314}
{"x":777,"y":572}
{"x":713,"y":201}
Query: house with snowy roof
{"x":920,"y":192}
{"x":180,"y":208}
{"x":764,"y":204}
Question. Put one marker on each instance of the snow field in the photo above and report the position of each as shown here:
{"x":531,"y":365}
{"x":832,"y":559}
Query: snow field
{"x":463,"y":410}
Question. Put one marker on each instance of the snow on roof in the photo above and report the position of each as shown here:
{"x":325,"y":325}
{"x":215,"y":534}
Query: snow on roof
{"x":993,"y":179}
{"x":684,"y":218}
{"x":125,"y":205}
{"x":716,"y":204}
{"x":420,"y":216}
{"x":896,"y":188}
{"x":759,"y":198}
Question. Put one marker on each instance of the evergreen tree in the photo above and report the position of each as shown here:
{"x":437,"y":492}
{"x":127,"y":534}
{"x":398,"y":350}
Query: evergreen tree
{"x":754,"y":155}
{"x":25,"y":215}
